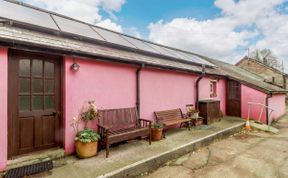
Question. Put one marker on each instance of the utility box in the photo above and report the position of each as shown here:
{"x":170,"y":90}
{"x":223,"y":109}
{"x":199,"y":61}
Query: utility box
{"x":210,"y":110}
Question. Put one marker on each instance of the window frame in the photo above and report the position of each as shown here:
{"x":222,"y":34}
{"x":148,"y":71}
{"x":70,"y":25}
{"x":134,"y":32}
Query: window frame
{"x":213,"y":88}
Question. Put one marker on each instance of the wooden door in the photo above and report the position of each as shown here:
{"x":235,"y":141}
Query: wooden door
{"x":233,"y":103}
{"x":33,"y":102}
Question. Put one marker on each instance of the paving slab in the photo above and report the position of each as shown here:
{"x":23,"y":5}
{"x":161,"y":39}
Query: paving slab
{"x":143,"y":156}
{"x":246,"y":154}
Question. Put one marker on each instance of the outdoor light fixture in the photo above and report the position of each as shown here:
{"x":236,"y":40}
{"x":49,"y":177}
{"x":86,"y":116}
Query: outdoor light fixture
{"x":75,"y":66}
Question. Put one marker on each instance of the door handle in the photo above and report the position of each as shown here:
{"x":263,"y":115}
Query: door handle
{"x":56,"y":113}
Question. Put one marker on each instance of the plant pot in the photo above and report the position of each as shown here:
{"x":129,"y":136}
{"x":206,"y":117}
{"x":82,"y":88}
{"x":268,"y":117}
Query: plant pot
{"x":86,"y":150}
{"x":195,"y":114}
{"x":197,"y":122}
{"x":156,"y":133}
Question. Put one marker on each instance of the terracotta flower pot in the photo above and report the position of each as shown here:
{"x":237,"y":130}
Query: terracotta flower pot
{"x":156,"y":133}
{"x":86,"y":150}
{"x":197,"y":122}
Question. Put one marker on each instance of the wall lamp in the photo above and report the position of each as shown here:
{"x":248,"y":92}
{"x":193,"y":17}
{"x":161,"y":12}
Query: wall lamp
{"x":75,"y":66}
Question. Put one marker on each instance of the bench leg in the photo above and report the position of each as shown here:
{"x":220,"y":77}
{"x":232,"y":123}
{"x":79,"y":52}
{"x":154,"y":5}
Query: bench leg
{"x":150,"y":133}
{"x":150,"y":138}
{"x":107,"y":150}
{"x":180,"y":125}
{"x":107,"y":147}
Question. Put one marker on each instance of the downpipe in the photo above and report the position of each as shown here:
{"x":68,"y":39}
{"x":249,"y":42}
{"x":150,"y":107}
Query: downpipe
{"x":197,"y":86}
{"x":267,"y":109}
{"x":138,"y":71}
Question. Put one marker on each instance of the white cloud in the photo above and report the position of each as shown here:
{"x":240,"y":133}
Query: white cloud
{"x":246,"y":11}
{"x":107,"y":23}
{"x":112,"y":5}
{"x":241,"y":22}
{"x":133,"y":31}
{"x":84,"y":10}
{"x":212,"y":37}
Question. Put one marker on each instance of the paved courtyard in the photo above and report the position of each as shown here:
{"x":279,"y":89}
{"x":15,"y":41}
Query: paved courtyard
{"x":247,"y":154}
{"x":135,"y":151}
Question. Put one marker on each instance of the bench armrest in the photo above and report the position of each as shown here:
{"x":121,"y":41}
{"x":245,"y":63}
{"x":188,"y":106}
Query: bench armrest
{"x":145,"y":123}
{"x":185,"y":116}
{"x":103,"y":131}
{"x":103,"y":127}
{"x":145,"y":120}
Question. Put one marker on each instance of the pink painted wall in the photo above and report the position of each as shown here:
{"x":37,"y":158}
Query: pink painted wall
{"x":3,"y":108}
{"x":204,"y":92}
{"x":251,"y":95}
{"x":161,"y":90}
{"x":110,"y":85}
{"x":277,"y":102}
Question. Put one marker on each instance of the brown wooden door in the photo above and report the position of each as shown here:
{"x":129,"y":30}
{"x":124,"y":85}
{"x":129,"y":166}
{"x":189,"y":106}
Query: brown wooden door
{"x":233,"y":103}
{"x":33,"y":102}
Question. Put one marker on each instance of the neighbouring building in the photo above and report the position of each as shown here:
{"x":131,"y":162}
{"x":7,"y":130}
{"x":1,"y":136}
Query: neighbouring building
{"x":50,"y":65}
{"x":270,"y":75}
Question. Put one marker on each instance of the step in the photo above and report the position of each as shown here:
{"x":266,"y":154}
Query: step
{"x":35,"y":157}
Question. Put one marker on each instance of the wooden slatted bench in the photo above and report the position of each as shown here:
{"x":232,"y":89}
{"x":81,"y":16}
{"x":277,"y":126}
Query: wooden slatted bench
{"x":117,"y":125}
{"x":171,"y":117}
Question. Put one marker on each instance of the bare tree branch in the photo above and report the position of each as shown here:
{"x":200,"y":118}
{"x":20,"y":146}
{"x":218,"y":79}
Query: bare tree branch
{"x":267,"y":57}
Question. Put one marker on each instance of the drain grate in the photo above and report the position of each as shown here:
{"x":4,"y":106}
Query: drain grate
{"x":29,"y":170}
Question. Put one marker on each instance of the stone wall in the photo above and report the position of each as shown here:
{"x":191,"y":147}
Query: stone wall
{"x":266,"y":72}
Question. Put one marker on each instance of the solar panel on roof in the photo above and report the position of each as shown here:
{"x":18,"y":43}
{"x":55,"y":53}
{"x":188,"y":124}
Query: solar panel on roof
{"x":161,"y":49}
{"x":178,"y":55}
{"x":20,"y":13}
{"x":185,"y":57}
{"x":27,"y":15}
{"x":113,"y":37}
{"x":71,"y":26}
{"x":140,"y":44}
{"x":198,"y":59}
{"x":191,"y":58}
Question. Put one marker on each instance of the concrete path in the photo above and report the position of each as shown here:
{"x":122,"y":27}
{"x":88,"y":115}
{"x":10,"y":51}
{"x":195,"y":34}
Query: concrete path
{"x":247,"y":154}
{"x":128,"y":154}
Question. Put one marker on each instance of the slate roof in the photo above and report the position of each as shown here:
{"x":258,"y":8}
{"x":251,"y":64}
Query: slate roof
{"x":23,"y":36}
{"x":245,"y":77}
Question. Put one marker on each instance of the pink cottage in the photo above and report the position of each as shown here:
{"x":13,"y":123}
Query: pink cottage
{"x":50,"y":65}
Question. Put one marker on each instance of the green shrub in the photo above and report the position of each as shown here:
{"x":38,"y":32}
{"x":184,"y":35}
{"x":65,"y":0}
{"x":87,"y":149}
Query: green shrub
{"x":157,"y":125}
{"x":87,"y":136}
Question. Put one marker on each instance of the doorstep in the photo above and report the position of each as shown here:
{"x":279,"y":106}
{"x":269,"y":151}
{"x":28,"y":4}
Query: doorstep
{"x":35,"y":157}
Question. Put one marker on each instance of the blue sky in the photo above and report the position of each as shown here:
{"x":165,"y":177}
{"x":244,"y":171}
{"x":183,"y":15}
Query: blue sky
{"x":222,"y":29}
{"x":139,"y":13}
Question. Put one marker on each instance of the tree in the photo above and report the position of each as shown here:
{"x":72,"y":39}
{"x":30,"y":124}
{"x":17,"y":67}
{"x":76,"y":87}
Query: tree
{"x":267,"y":57}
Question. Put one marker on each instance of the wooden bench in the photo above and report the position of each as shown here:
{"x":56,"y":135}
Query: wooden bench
{"x":171,"y":117}
{"x":117,"y":125}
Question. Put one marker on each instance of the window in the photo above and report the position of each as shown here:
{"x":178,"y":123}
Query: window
{"x":213,"y":88}
{"x":36,"y":85}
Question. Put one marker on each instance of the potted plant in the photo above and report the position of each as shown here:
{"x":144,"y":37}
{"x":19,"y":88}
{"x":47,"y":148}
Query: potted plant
{"x":86,"y":140}
{"x":156,"y":131}
{"x":194,"y":115}
{"x":197,"y":121}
